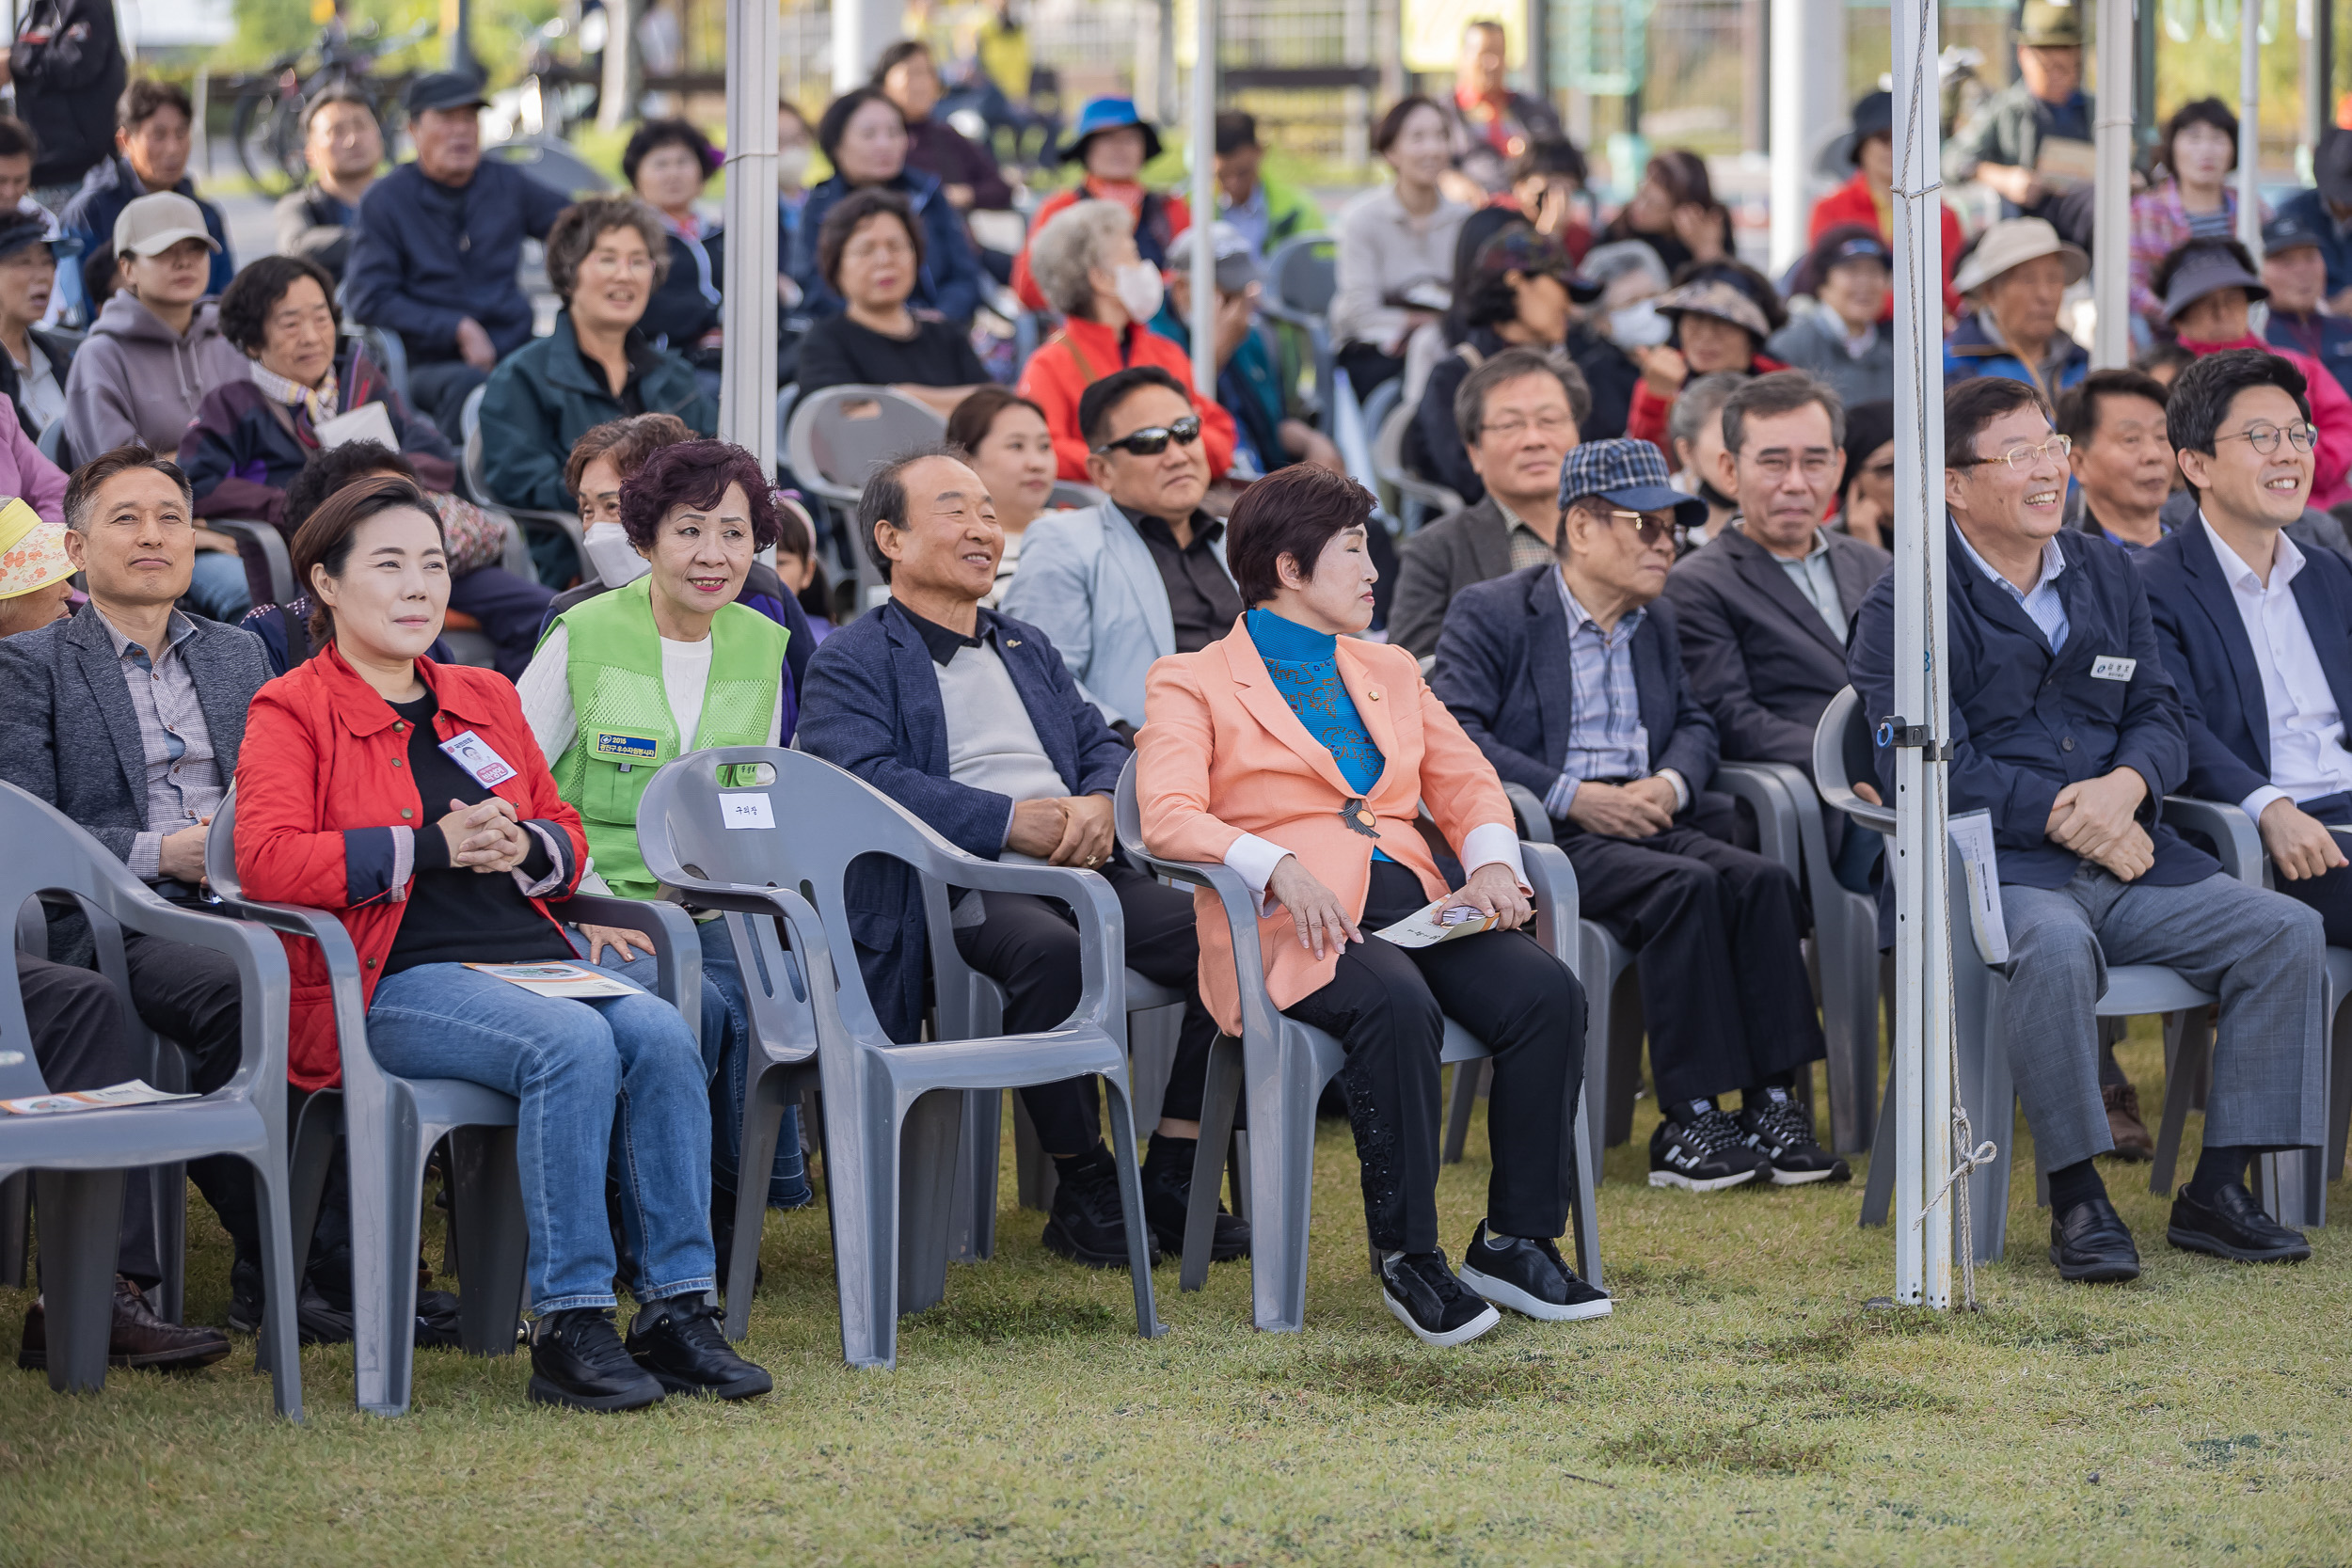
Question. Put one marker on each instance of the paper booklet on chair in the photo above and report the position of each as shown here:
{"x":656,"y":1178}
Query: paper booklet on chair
{"x":131,"y":1092}
{"x":367,"y":422}
{"x":1972,"y":835}
{"x":569,"y":981}
{"x":1442,"y":921}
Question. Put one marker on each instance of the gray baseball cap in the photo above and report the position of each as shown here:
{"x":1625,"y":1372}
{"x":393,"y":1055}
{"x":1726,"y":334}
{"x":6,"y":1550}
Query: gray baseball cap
{"x":153,"y":224}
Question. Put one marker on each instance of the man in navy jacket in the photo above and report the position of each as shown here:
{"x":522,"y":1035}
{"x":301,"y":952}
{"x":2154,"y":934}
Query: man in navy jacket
{"x":1571,"y":680}
{"x":971,"y":720}
{"x":436,"y":249}
{"x":2066,"y":730}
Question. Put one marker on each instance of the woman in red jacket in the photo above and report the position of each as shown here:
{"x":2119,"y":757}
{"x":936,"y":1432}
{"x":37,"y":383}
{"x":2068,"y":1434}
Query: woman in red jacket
{"x":410,"y":797}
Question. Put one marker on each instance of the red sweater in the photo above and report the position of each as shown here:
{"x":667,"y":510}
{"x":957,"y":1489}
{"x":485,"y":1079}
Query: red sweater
{"x":1850,"y":203}
{"x":1646,"y":419}
{"x":1082,"y":354}
{"x":327,"y":814}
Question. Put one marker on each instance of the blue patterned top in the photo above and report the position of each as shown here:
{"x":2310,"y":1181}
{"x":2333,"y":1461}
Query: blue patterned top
{"x":1305,"y":671}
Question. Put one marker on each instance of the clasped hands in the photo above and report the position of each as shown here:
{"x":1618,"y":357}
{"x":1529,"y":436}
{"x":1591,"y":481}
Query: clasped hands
{"x":485,"y":836}
{"x":1072,"y":830}
{"x":1325,"y":927}
{"x":1637,"y":810}
{"x":2097,"y":819}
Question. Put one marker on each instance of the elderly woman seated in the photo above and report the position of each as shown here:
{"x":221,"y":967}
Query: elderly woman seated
{"x":1720,"y":316}
{"x":1301,"y":758}
{"x":1087,"y":263}
{"x":409,"y":799}
{"x":870,"y":250}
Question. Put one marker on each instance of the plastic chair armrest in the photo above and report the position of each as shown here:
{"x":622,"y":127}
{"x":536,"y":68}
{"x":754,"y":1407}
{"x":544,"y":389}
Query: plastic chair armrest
{"x":272,"y":545}
{"x":1558,"y":905}
{"x":2235,"y":839}
{"x":263,"y":985}
{"x":1535,"y":822}
{"x":677,"y":948}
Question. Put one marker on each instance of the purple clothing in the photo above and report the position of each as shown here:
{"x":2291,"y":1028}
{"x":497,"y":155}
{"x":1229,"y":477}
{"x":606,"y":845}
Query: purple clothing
{"x":938,"y":147}
{"x":25,"y":472}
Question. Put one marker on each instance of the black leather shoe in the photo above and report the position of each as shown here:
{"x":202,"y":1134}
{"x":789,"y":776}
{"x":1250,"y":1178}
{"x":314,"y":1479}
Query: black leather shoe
{"x":1167,"y":1199}
{"x":2233,"y":1227}
{"x":578,"y":1361}
{"x":681,"y":1342}
{"x":138,"y":1338}
{"x":2090,"y":1242}
{"x":1530,"y":1277}
{"x":1087,"y":1225}
{"x":1426,"y":1297}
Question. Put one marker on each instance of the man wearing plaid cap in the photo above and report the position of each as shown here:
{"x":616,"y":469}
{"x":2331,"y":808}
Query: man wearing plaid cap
{"x":1570,"y":679}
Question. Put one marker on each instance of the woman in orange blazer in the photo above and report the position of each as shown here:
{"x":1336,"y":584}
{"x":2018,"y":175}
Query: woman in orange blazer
{"x":1301,"y":758}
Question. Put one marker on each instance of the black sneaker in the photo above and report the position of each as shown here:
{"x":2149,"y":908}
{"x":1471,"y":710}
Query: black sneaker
{"x":1427,"y":1299}
{"x":2090,"y":1244}
{"x":2233,"y":1227}
{"x":244,"y":1295}
{"x":1087,"y":1225}
{"x":1167,"y":1199}
{"x":1703,"y":1151}
{"x":1781,"y":1131}
{"x":578,"y":1361}
{"x":680,"y":1343}
{"x":1529,"y":1278}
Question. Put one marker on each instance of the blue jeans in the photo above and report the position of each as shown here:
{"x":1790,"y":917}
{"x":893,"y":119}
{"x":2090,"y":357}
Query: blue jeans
{"x":613,"y":1081}
{"x":216,"y":586}
{"x":727,"y":1045}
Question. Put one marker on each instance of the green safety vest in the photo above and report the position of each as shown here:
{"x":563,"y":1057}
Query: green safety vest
{"x":625,"y":728}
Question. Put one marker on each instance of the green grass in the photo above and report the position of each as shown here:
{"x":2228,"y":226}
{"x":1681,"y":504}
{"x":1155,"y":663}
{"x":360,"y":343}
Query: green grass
{"x":1741,"y":1406}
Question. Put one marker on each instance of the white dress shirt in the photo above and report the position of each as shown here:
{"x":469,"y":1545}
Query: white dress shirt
{"x":2307,"y":755}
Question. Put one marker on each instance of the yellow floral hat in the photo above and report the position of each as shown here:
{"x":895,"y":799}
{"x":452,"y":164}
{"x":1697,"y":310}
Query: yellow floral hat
{"x":32,"y":551}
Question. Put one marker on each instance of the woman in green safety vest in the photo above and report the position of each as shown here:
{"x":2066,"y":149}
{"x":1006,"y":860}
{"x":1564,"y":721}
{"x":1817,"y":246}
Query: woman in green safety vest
{"x":627,"y":682}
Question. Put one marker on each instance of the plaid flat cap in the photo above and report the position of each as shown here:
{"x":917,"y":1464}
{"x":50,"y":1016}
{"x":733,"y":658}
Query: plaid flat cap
{"x":1626,"y":474}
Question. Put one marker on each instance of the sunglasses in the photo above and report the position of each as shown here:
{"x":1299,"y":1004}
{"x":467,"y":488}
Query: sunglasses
{"x":1152,"y":439}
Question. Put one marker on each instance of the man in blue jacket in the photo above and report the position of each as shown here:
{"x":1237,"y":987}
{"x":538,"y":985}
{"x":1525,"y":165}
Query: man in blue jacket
{"x":1569,"y":677}
{"x":2326,"y":212}
{"x":971,"y":720}
{"x":2065,"y":728}
{"x":436,"y":249}
{"x":153,"y":121}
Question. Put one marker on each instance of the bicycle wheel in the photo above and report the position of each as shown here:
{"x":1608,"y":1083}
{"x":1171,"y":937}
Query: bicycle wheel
{"x":255,"y":130}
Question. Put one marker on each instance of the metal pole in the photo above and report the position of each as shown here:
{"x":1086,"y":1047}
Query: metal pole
{"x":1923,"y":1249}
{"x":860,"y":30}
{"x":1202,"y":238}
{"x":1807,"y":43}
{"x":2249,"y":137}
{"x":747,"y":391}
{"x":2111,"y":285}
{"x":1356,"y":104}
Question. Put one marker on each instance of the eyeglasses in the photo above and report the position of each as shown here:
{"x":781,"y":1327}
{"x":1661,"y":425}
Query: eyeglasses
{"x":1649,"y":529}
{"x":1774,"y":466}
{"x":1550,"y":425}
{"x":1152,"y":441}
{"x":2264,"y":438}
{"x":2056,"y":447}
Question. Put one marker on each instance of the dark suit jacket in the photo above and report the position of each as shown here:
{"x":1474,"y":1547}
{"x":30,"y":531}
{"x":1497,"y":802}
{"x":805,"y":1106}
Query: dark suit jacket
{"x":1761,"y":657}
{"x":69,"y":735}
{"x":2027,"y":722}
{"x":2211,"y":662}
{"x":1503,"y":669}
{"x":872,"y":707}
{"x":1463,"y":547}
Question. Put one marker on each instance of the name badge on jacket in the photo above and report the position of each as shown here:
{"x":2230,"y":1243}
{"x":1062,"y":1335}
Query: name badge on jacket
{"x":2112,"y":667}
{"x":471,"y":752}
{"x":629,"y":750}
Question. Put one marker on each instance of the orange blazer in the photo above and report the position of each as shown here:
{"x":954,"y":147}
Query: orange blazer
{"x":1221,"y":755}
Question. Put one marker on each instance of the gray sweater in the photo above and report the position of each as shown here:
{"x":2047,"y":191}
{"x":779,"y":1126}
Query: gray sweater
{"x":1815,"y":344}
{"x":133,"y":378}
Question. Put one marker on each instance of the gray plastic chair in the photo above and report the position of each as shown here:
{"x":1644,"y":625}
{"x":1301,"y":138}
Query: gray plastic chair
{"x":1286,"y":1065}
{"x":839,"y":435}
{"x":528,"y":519}
{"x":53,"y":445}
{"x":893,"y":1112}
{"x":1302,"y":276}
{"x":1418,"y":500}
{"x":390,"y":1124}
{"x":78,"y":1160}
{"x":1984,"y":1085}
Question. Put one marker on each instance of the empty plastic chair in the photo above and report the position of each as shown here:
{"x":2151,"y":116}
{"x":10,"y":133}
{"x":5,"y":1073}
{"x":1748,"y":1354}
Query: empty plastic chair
{"x":839,"y":435}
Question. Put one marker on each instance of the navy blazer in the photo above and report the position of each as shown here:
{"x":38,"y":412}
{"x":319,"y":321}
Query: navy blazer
{"x":2027,"y":722}
{"x":2211,"y":661}
{"x":872,"y":707}
{"x":1504,"y":670}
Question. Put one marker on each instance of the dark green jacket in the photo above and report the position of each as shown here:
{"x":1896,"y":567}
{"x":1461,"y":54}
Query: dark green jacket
{"x":543,"y":396}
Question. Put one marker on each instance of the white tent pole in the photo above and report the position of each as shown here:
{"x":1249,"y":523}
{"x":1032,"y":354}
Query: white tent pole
{"x":747,"y":388}
{"x":2250,"y":139}
{"x":2110,"y":286}
{"x":1202,"y":240}
{"x":1807,"y":45}
{"x":1923,"y":1250}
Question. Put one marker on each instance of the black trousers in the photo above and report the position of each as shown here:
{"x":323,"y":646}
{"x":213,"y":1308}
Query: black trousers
{"x":1724,"y":987}
{"x":1367,"y":367}
{"x":439,"y":390}
{"x":1029,"y":945}
{"x":189,"y":995}
{"x":1388,"y":1006}
{"x":78,"y":1044}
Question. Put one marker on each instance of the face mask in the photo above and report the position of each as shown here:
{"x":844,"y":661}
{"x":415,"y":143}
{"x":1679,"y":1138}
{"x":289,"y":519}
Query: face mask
{"x":1638,"y":326}
{"x":1139,"y":290}
{"x":792,"y":165}
{"x":615,"y":558}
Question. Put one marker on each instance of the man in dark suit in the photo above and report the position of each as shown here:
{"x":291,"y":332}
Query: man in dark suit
{"x":2066,"y":730}
{"x":127,"y":717}
{"x":1569,"y":678}
{"x":971,"y":720}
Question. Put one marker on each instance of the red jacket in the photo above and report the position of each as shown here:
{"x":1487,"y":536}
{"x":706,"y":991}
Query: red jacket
{"x":1646,"y":419}
{"x":1850,"y":203}
{"x":1083,"y":353}
{"x":326,"y":812}
{"x":2332,"y":413}
{"x":1162,"y":218}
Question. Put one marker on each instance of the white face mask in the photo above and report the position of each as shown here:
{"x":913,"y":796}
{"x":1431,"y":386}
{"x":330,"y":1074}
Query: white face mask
{"x":1639,"y":325}
{"x":792,"y":165}
{"x":1140,"y":291}
{"x":615,"y":558}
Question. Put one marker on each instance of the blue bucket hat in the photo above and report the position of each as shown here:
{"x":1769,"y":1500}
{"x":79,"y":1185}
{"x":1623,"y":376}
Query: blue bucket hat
{"x":1107,"y":114}
{"x":1626,"y":474}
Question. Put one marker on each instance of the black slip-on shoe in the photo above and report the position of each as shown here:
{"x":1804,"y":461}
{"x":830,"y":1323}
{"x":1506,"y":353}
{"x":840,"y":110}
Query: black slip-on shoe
{"x":681,"y":1342}
{"x":2233,"y":1227}
{"x":1781,"y":1131}
{"x":578,"y":1361}
{"x":1168,"y":1201}
{"x":2090,"y":1242}
{"x":1530,"y":1277}
{"x":1087,"y":1225}
{"x":1702,"y":1152}
{"x":1427,"y":1298}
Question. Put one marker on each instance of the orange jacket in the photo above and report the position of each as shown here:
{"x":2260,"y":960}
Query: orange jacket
{"x":1083,"y":353}
{"x":1162,"y":219}
{"x":1221,"y":755}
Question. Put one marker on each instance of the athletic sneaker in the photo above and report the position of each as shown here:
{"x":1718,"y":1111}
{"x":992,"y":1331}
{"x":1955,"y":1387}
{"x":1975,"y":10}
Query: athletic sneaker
{"x":1530,"y":1277}
{"x":1782,"y":1131}
{"x":681,"y":1342}
{"x":1702,"y":1151}
{"x":578,"y":1361}
{"x":1427,"y":1299}
{"x":1087,"y":1225}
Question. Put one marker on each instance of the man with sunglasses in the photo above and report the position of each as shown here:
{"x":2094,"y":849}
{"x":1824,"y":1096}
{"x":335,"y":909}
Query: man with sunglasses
{"x":1569,"y":677}
{"x":2067,"y":729}
{"x":1141,"y":575}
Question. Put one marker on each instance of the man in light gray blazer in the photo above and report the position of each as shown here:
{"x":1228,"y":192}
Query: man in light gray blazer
{"x":1141,"y":575}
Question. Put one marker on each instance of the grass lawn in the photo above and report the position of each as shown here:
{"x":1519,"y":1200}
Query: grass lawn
{"x":1738,"y":1408}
